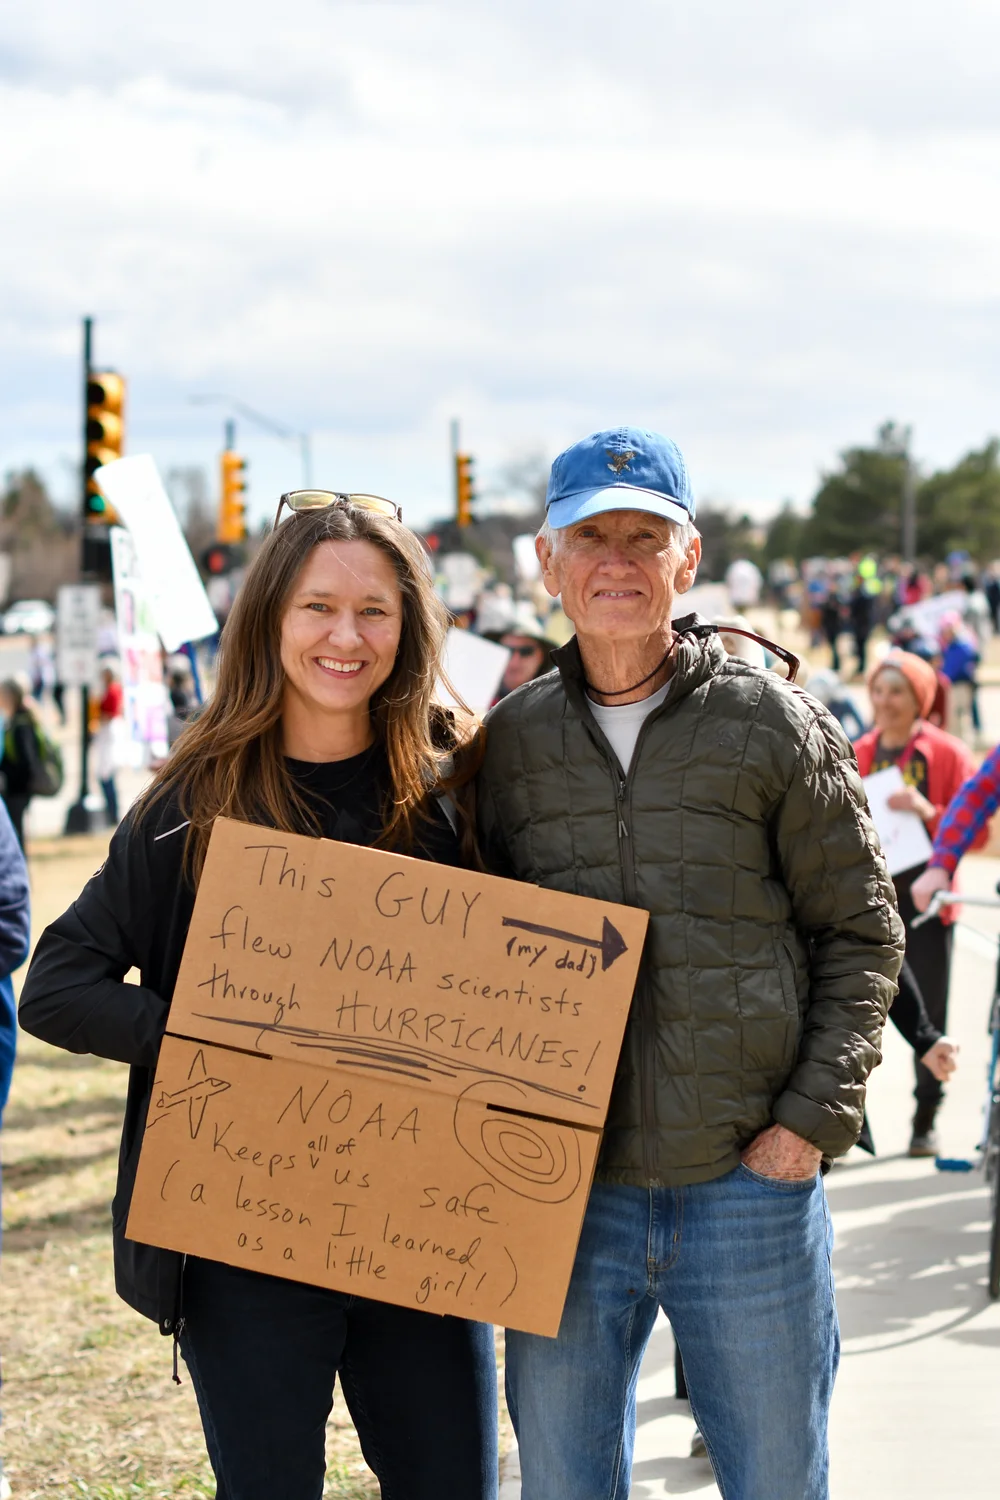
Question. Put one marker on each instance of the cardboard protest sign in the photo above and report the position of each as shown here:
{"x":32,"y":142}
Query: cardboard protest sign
{"x":343,"y":956}
{"x":353,"y":1182}
{"x":440,"y":1042}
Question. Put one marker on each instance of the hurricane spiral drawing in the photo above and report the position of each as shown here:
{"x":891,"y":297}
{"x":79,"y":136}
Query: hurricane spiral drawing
{"x":537,"y":1159}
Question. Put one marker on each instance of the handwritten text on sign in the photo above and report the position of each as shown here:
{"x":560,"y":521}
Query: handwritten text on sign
{"x":354,"y":1182}
{"x":436,"y":1050}
{"x":355,"y":958}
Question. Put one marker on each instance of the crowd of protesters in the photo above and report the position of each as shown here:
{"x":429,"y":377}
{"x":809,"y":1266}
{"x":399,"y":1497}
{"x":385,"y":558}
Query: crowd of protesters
{"x":945,"y":615}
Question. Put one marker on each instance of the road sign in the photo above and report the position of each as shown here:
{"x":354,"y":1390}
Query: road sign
{"x":78,"y":619}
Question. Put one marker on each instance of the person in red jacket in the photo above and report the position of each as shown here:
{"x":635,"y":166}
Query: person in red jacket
{"x":934,"y":765}
{"x":106,"y":748}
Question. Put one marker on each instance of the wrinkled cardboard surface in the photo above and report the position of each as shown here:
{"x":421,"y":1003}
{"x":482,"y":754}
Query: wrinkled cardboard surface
{"x":397,"y":1048}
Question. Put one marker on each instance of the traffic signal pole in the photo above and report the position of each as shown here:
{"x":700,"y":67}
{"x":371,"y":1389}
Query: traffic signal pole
{"x":88,"y":344}
{"x":79,"y":818}
{"x":465,"y":491}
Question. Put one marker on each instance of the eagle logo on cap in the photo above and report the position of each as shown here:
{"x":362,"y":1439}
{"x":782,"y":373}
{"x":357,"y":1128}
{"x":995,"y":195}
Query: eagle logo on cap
{"x":619,"y":461}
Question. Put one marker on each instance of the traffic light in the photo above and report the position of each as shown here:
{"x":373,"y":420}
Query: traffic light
{"x":464,"y":490}
{"x":232,"y":525}
{"x":105,"y":438}
{"x":218,"y":559}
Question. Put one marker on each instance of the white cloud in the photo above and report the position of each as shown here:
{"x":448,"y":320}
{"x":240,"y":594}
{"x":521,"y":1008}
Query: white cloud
{"x":762,"y":228}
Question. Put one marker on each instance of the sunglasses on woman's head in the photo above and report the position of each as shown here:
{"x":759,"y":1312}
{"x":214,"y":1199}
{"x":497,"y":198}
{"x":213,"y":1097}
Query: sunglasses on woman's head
{"x":299,"y":500}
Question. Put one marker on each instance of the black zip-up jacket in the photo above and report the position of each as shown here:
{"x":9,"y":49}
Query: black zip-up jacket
{"x":134,"y":914}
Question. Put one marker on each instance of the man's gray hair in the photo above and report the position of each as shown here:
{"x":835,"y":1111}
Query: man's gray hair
{"x":684,"y":533}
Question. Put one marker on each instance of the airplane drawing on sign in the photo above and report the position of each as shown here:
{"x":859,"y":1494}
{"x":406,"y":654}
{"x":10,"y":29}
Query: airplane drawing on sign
{"x":196,"y":1093}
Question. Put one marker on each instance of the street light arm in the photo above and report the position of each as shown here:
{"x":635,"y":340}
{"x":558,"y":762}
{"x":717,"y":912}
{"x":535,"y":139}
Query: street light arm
{"x":269,"y":424}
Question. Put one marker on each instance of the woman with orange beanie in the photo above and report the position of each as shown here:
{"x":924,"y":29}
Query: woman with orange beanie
{"x":934,"y":765}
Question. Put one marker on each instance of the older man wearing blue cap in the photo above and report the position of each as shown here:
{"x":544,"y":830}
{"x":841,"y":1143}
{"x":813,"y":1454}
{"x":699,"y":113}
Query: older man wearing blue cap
{"x":651,"y":768}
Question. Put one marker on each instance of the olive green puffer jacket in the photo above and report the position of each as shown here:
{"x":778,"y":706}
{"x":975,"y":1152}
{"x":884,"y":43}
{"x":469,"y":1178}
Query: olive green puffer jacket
{"x":773,"y":943}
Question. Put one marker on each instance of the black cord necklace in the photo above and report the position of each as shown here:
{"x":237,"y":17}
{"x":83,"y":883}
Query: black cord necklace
{"x":622,"y":692}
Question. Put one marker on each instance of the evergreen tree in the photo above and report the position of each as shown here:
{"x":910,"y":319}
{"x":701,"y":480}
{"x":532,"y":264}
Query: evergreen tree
{"x":859,"y":507}
{"x":960,"y":507}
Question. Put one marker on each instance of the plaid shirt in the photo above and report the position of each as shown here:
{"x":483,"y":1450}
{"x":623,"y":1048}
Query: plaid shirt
{"x":967,"y":814}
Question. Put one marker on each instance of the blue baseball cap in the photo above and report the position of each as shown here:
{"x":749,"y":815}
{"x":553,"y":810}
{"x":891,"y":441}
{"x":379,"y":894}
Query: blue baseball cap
{"x":625,"y":468}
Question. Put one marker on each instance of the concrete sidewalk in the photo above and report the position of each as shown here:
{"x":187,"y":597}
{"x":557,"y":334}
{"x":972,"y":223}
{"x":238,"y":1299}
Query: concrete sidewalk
{"x":916,"y":1412}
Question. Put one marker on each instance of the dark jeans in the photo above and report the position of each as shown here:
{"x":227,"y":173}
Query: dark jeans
{"x":928,"y":952}
{"x":111,"y":800}
{"x":861,"y":649}
{"x":264,"y":1354}
{"x":17,"y":806}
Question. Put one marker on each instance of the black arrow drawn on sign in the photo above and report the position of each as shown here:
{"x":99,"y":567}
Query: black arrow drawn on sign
{"x":611,"y":942}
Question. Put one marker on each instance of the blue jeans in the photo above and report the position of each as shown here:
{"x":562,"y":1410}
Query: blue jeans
{"x":264,"y":1354}
{"x":110,"y":800}
{"x":741,"y":1267}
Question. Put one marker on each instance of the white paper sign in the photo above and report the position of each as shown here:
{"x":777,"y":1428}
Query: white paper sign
{"x":460,"y":579}
{"x":176,"y":593}
{"x":143,"y":688}
{"x":474,"y":668}
{"x":928,"y":614}
{"x":902,"y":834}
{"x":78,"y":619}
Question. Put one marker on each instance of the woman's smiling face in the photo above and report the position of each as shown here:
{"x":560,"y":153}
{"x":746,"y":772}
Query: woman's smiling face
{"x":341,"y":628}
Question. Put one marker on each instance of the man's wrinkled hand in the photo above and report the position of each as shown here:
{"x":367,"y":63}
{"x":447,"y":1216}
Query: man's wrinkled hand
{"x":778,"y":1152}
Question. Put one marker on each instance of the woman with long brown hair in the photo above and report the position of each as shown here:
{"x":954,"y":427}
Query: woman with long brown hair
{"x":323,"y":722}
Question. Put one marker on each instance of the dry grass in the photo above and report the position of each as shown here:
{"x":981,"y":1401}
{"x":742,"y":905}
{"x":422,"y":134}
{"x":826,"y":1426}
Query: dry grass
{"x":89,"y":1405}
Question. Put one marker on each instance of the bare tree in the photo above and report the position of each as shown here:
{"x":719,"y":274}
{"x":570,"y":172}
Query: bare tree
{"x":43,"y":542}
{"x":188,"y":490}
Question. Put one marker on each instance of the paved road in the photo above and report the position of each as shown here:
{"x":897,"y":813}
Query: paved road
{"x":915,"y":1413}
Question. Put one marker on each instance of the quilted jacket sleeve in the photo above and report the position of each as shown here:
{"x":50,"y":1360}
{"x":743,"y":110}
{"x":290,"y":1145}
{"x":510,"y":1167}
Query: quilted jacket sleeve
{"x":844,"y":904}
{"x":489,"y":826}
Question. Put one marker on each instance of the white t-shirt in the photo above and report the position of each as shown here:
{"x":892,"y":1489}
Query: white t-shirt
{"x":622,"y":723}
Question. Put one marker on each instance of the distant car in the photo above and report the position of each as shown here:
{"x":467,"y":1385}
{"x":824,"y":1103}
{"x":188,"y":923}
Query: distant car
{"x":29,"y":617}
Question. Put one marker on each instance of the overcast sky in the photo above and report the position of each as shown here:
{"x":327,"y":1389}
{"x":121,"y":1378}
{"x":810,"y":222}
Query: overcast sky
{"x":760,"y":228}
